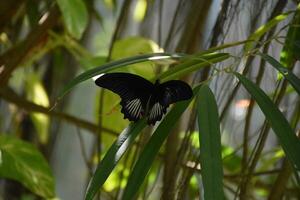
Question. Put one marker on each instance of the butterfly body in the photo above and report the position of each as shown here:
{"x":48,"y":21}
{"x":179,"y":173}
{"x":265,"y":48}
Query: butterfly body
{"x":141,"y":98}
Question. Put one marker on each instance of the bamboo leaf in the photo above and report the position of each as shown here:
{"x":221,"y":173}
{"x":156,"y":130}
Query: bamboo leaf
{"x":289,"y":75}
{"x":112,"y":157}
{"x":291,"y":48}
{"x":210,"y":144}
{"x":263,"y":29}
{"x":114,"y":65}
{"x":287,"y":138}
{"x":148,"y":154}
{"x":193,"y":63}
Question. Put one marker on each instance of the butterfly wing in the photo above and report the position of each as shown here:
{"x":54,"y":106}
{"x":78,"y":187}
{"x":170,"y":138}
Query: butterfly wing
{"x":133,"y":90}
{"x":166,"y":94}
{"x":173,"y":91}
{"x":156,"y":112}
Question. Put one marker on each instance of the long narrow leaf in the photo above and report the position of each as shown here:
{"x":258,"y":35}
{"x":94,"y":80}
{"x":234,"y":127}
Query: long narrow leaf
{"x":193,"y":63}
{"x":287,"y":138}
{"x":291,"y":49}
{"x":265,"y":28}
{"x":112,"y":157}
{"x":148,"y":154}
{"x":289,"y":75}
{"x":210,"y":144}
{"x":114,"y":65}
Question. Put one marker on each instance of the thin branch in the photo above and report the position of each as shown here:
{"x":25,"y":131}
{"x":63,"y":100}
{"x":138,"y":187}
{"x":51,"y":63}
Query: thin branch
{"x":10,"y":96}
{"x":36,"y":38}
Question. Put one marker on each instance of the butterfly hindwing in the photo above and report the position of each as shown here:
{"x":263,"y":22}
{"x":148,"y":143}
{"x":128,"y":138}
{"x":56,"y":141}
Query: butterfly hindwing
{"x":133,"y":90}
{"x":173,"y":91}
{"x":156,"y":112}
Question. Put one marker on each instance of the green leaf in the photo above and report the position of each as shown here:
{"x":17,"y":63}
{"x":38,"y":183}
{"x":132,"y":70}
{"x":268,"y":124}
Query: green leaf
{"x":132,"y":46}
{"x":140,"y":10}
{"x":263,"y":29}
{"x":223,"y":46}
{"x":112,"y":157}
{"x":291,"y":48}
{"x":210,"y":144}
{"x":148,"y":154}
{"x":193,"y":63}
{"x":75,"y":16}
{"x":22,"y":162}
{"x":36,"y":93}
{"x":287,"y":138}
{"x":289,"y":75}
{"x":115,"y":65}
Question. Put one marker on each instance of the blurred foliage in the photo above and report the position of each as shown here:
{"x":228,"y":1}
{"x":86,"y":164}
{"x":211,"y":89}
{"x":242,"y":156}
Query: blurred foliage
{"x":227,"y":142}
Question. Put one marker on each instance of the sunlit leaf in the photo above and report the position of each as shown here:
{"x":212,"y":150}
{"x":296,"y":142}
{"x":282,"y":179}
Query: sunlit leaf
{"x":36,"y":93}
{"x":112,"y":157}
{"x":140,"y":10}
{"x":22,"y":162}
{"x":132,"y":46}
{"x":291,"y":49}
{"x":263,"y":29}
{"x":285,"y":134}
{"x":75,"y":16}
{"x":148,"y":154}
{"x":231,"y":159}
{"x":210,"y":144}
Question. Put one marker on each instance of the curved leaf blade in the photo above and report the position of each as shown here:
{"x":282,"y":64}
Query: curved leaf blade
{"x":290,"y":51}
{"x":288,"y":74}
{"x":151,"y":149}
{"x":193,"y":63}
{"x":22,"y":162}
{"x":114,"y":65}
{"x":263,"y":29}
{"x":210,"y":144}
{"x":289,"y":141}
{"x":112,"y":157}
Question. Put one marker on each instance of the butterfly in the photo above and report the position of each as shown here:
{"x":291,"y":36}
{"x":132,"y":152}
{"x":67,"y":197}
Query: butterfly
{"x":141,"y":98}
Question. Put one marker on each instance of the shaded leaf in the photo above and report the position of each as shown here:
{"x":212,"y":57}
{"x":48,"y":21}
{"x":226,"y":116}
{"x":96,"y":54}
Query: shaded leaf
{"x":115,"y":65}
{"x":287,"y":138}
{"x":289,"y":75}
{"x":210,"y":144}
{"x":112,"y":157}
{"x":193,"y":63}
{"x":148,"y":154}
{"x":22,"y":162}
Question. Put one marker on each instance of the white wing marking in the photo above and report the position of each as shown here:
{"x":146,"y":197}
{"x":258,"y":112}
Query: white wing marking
{"x":134,"y":107}
{"x":156,"y":111}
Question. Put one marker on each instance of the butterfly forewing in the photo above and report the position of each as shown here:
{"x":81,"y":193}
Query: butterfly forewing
{"x":132,"y":109}
{"x":133,"y":90}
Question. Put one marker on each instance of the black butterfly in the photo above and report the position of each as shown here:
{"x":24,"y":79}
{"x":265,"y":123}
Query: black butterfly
{"x":142,"y":98}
